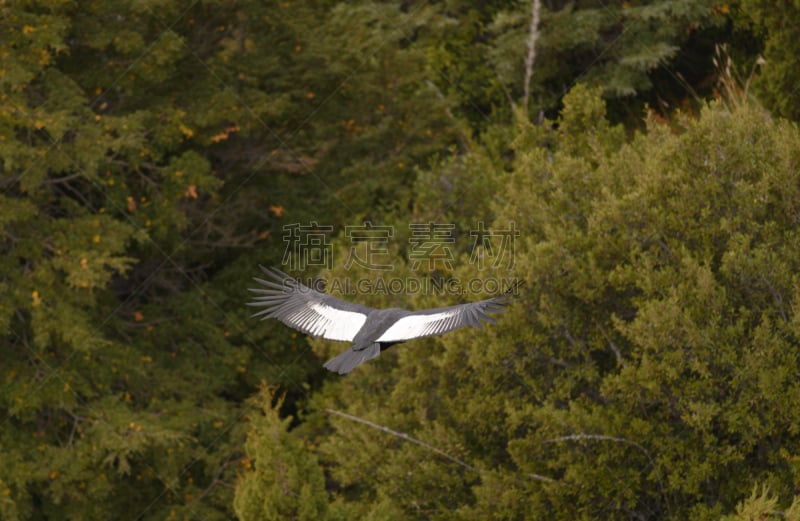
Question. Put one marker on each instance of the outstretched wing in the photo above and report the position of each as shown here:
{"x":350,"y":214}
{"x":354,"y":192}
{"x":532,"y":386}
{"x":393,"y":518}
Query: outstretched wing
{"x":305,"y":309}
{"x":431,"y":322}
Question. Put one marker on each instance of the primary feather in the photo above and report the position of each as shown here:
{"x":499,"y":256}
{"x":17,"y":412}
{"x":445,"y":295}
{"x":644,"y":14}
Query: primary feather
{"x":307,"y":310}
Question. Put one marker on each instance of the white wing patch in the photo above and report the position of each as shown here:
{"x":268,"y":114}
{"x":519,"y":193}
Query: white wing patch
{"x":416,"y":326}
{"x":327,"y":322}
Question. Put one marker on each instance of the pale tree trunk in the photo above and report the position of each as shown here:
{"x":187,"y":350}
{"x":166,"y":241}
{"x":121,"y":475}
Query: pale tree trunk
{"x":533,"y":35}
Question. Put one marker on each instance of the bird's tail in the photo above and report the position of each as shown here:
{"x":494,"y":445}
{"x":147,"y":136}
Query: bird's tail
{"x":352,"y":358}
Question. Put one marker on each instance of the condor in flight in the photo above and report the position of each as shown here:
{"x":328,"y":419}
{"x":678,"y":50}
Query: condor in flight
{"x":370,"y":330}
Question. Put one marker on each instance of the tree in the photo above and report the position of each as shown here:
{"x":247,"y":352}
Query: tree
{"x":100,"y":417}
{"x":144,"y":153}
{"x":151,"y":155}
{"x":649,"y":369}
{"x":659,"y":52}
{"x":283,"y":480}
{"x":776,"y":84}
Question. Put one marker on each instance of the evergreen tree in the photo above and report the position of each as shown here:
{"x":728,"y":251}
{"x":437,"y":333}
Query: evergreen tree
{"x":151,"y":154}
{"x":648,"y":371}
{"x":777,"y":37}
{"x":659,"y":52}
{"x":286,"y":482}
{"x":145,"y":151}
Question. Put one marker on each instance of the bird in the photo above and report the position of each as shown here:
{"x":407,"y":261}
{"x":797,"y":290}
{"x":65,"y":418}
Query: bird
{"x":369,"y":330}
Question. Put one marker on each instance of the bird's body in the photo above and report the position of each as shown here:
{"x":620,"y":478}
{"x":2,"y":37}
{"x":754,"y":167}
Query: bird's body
{"x":370,"y":330}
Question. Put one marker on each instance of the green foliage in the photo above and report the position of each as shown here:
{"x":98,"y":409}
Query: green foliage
{"x":777,"y":82}
{"x":656,"y":291}
{"x":151,"y":152}
{"x":764,"y":506}
{"x":146,"y":148}
{"x":285,"y":481}
{"x":649,"y":369}
{"x":619,"y":46}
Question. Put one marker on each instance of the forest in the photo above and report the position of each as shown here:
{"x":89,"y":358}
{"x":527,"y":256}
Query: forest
{"x":631,"y":167}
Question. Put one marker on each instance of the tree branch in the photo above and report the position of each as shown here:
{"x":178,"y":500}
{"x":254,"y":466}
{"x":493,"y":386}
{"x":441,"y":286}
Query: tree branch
{"x":406,"y":437}
{"x":462,"y":136}
{"x":603,"y":437}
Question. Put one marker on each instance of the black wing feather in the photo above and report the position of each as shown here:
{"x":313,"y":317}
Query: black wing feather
{"x":437,"y":321}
